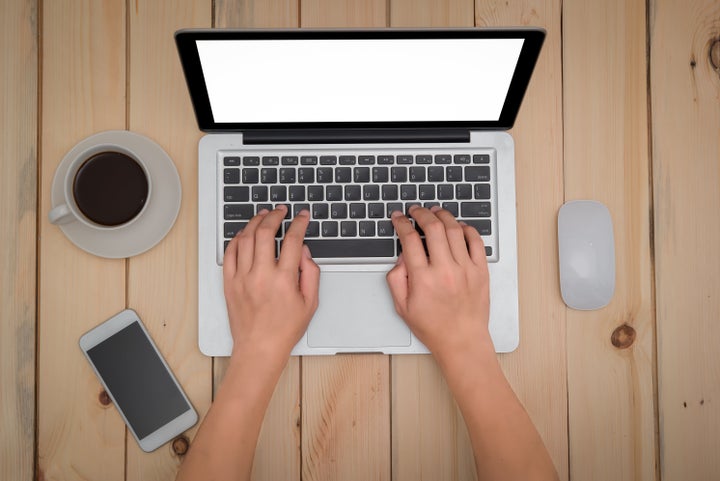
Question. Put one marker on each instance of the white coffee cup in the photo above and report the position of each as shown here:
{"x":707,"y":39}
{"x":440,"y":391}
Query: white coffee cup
{"x":110,"y":190}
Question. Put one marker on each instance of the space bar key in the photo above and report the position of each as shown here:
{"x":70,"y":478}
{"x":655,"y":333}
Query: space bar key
{"x":331,"y":248}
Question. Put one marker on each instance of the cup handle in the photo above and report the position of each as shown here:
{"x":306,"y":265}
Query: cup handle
{"x":61,"y":215}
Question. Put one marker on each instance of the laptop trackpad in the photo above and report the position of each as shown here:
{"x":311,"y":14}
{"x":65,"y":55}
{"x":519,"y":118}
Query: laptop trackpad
{"x":356,"y":310}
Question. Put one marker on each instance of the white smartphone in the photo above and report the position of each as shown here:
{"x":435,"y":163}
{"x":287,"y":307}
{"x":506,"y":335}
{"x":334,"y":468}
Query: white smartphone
{"x":138,"y":380}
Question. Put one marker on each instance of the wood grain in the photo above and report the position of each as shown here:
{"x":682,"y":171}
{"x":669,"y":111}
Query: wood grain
{"x":537,"y":369}
{"x":343,"y":13}
{"x":432,"y":13}
{"x":277,"y":455}
{"x":18,"y":216}
{"x":162,"y":283}
{"x":606,"y":159}
{"x":83,"y":92}
{"x":686,"y":172}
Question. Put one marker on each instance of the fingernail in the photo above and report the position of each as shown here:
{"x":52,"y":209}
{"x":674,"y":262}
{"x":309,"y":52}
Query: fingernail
{"x":461,"y":222}
{"x":303,"y":213}
{"x":413,"y":207}
{"x":395,"y":214}
{"x":435,"y":208}
{"x":281,"y":206}
{"x":263,"y":211}
{"x":306,"y":251}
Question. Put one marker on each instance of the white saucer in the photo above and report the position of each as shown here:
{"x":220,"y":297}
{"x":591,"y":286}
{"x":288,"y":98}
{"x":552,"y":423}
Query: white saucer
{"x":153,"y":223}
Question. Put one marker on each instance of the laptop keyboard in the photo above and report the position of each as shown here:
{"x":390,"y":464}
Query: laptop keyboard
{"x":350,"y":196}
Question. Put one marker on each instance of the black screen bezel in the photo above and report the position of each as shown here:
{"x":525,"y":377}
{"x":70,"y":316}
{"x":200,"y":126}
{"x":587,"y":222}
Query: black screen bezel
{"x":190,"y":60}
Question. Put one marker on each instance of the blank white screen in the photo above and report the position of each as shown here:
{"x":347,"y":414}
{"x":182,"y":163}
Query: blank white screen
{"x":368,"y":80}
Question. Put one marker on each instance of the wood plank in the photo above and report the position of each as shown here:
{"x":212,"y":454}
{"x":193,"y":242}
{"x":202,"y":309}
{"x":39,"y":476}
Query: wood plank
{"x":429,"y":436}
{"x":345,"y":399}
{"x":610,"y":385}
{"x":277,"y":455}
{"x":345,"y":425}
{"x":83,"y":92}
{"x":162,"y":283}
{"x":537,"y":370}
{"x":686,"y":170}
{"x":18,"y":215}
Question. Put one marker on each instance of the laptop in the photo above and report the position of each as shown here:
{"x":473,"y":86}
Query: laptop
{"x":352,"y":125}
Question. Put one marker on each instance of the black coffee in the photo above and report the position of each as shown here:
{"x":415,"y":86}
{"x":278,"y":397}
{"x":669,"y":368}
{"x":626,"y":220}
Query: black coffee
{"x":110,"y":188}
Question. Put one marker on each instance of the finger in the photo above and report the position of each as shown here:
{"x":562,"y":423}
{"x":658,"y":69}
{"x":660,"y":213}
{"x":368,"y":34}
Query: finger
{"x":476,"y":246}
{"x":435,"y":237}
{"x":265,"y":237}
{"x":230,"y":260}
{"x":292,"y":245}
{"x":397,"y":279}
{"x":309,"y":278}
{"x":412,"y":247}
{"x":455,"y":235}
{"x":246,"y":242}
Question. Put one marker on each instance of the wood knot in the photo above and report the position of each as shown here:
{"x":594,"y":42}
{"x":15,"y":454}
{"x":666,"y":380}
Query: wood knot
{"x":714,"y":54}
{"x":104,"y":398}
{"x":623,"y":336}
{"x":180,"y":445}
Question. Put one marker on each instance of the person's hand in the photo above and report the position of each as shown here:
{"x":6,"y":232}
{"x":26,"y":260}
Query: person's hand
{"x":270,"y":302}
{"x":443,"y":298}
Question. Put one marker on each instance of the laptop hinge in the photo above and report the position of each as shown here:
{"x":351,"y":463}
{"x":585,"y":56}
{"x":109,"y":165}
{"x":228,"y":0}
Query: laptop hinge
{"x":355,"y":136}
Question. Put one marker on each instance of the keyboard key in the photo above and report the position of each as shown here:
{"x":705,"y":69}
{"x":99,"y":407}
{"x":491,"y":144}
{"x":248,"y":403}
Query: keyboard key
{"x":436,"y":173}
{"x":393,"y":206}
{"x":320,"y":211}
{"x":417,"y":174}
{"x":347,"y":160}
{"x":325,"y":175}
{"x":428,"y":205}
{"x":477,"y":173}
{"x":238,"y":211}
{"x":408,"y":192}
{"x":423,"y":159}
{"x":482,"y":226}
{"x":376,"y":210}
{"x":315,"y":193}
{"x":408,"y":205}
{"x":442,"y":159}
{"x":463,"y":191}
{"x":271,"y":160}
{"x":278,"y":193}
{"x":289,"y":160}
{"x":385,"y":159}
{"x":298,"y":207}
{"x":237,"y":194}
{"x":288,"y":210}
{"x":482,"y":191}
{"x":326,"y":248}
{"x":399,"y":174}
{"x":371,"y":192}
{"x":259,"y":193}
{"x":296,"y":193}
{"x":231,"y":161}
{"x":361,"y":175}
{"x":309,"y":160}
{"x":352,"y":192}
{"x":389,"y":192}
{"x":232,"y":228}
{"x":251,"y":161}
{"x":334,"y":192}
{"x":366,"y":159}
{"x":348,"y":228}
{"x":287,"y":176}
{"x":306,"y":175}
{"x":250,"y":176}
{"x":380,"y":174}
{"x":357,"y":211}
{"x":343,"y":174}
{"x":475,"y":209}
{"x":385,"y":228}
{"x":461,"y":158}
{"x":268,"y":176}
{"x":366,"y":228}
{"x":445,"y":192}
{"x":328,"y":159}
{"x":488,"y":251}
{"x":454,"y":174}
{"x":329,"y":229}
{"x":313,"y":229}
{"x":451,"y":207}
{"x":481,"y":159}
{"x":404,"y":159}
{"x":427,"y":192}
{"x":338,"y":210}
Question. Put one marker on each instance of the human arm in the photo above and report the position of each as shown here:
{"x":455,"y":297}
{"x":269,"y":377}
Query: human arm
{"x":445,"y":301}
{"x":269,"y":308}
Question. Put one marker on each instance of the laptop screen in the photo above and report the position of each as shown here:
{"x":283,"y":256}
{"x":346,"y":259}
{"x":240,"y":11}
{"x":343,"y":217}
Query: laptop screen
{"x":324,"y":81}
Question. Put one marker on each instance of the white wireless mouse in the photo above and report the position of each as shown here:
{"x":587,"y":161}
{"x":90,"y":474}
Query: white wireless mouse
{"x":587,"y":254}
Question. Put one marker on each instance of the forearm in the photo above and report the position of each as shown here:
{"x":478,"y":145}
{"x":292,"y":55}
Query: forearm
{"x":505,"y":442}
{"x":225,"y":445}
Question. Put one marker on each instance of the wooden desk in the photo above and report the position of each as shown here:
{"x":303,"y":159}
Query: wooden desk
{"x":623,"y":108}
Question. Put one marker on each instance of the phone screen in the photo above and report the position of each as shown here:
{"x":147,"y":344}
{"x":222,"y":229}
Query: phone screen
{"x":138,"y":380}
